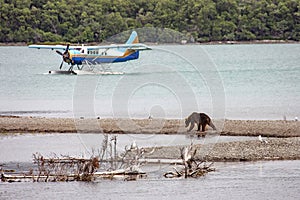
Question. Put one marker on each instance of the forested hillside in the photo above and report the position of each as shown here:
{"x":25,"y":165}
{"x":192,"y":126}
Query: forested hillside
{"x":94,"y":20}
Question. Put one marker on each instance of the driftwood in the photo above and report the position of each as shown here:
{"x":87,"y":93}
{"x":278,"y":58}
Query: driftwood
{"x":118,"y":174}
{"x":107,"y":164}
{"x":66,"y":168}
{"x":192,"y":167}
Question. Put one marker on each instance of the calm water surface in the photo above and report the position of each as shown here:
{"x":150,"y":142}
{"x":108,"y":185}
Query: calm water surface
{"x":255,"y":180}
{"x":247,"y":180}
{"x":258,"y":81}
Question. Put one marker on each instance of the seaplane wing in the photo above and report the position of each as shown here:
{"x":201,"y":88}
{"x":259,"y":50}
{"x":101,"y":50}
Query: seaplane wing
{"x":52,"y":47}
{"x":138,"y":46}
{"x":81,"y":54}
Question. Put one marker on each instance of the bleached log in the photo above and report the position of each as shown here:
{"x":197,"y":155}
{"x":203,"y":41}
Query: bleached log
{"x":117,"y":174}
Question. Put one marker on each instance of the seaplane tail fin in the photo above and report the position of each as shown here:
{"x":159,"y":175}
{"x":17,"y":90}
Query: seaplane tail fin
{"x":133,"y":39}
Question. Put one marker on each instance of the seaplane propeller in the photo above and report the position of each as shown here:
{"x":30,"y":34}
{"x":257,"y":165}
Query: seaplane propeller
{"x":66,"y":56}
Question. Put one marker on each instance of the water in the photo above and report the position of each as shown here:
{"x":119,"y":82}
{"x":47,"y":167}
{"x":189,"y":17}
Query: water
{"x":248,"y":180}
{"x":231,"y":180}
{"x":253,"y":180}
{"x":227,"y":81}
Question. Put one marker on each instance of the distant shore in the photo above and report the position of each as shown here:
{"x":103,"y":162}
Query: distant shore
{"x":195,"y":43}
{"x":281,"y":138}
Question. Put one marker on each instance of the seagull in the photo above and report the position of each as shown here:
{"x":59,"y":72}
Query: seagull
{"x":296,"y":119}
{"x":262,"y":140}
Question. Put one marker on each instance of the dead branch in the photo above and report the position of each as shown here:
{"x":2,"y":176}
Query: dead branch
{"x":191,"y":166}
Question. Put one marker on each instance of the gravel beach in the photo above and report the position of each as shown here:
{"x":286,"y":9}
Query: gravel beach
{"x":274,"y":149}
{"x":283,"y":137}
{"x":267,"y":128}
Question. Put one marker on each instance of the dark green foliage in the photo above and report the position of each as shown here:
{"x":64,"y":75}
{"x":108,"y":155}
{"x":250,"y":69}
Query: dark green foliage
{"x":200,"y":20}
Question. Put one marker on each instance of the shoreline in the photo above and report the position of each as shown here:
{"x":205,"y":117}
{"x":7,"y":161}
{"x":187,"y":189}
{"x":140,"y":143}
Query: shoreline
{"x":229,"y":42}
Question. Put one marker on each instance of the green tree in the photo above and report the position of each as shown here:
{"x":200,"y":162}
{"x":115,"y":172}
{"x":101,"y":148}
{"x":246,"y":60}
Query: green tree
{"x":96,"y":20}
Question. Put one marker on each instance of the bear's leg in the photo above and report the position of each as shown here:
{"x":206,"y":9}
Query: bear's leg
{"x":213,"y":126}
{"x":203,"y":127}
{"x":191,"y":127}
{"x":199,"y":125}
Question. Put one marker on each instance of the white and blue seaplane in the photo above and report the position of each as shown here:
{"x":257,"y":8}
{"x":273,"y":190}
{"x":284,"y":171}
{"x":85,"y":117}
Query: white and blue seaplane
{"x":82,"y":56}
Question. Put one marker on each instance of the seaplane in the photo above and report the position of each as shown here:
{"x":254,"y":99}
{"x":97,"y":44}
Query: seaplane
{"x":91,"y":56}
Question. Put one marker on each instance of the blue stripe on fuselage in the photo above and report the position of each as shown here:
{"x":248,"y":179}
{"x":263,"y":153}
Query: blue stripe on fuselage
{"x":95,"y":59}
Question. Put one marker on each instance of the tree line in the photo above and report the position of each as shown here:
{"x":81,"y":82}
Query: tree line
{"x":86,"y":21}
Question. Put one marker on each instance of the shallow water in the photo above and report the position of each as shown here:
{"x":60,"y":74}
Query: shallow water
{"x":249,"y":180}
{"x":237,"y":180}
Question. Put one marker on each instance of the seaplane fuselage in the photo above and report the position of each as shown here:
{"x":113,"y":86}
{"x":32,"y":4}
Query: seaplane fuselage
{"x":98,"y":56}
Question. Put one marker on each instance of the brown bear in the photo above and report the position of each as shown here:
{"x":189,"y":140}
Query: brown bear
{"x":201,"y":119}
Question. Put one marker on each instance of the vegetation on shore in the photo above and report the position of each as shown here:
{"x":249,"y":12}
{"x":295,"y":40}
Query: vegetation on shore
{"x":199,"y":20}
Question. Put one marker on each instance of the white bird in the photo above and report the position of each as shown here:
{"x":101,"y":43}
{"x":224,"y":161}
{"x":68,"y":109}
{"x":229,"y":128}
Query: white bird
{"x":296,"y":119}
{"x":262,"y":140}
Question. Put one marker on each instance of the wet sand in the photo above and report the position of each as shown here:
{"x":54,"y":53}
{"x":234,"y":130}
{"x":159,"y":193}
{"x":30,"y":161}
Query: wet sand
{"x":283,"y":137}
